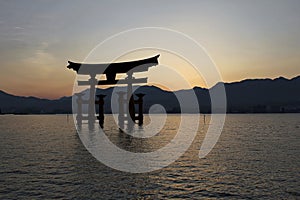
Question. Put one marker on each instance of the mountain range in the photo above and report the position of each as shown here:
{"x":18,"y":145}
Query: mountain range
{"x":278,"y":95}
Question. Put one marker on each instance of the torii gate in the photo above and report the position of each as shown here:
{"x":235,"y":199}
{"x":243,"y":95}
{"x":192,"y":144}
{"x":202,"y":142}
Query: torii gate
{"x":111,"y":70}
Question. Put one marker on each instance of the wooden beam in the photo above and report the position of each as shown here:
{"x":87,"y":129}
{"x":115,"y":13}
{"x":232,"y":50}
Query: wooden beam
{"x":115,"y":82}
{"x":114,"y":68}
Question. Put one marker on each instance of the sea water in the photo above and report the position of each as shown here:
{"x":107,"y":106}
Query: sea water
{"x":256,"y":156}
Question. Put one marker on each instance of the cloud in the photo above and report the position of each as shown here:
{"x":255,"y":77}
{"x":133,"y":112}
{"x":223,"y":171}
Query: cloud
{"x":41,"y":63}
{"x":41,"y":56}
{"x":19,"y":28}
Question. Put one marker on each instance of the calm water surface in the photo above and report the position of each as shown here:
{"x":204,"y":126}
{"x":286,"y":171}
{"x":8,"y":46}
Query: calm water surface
{"x":257,"y":156}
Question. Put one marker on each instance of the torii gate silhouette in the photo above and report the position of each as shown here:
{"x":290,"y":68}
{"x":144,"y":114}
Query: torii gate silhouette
{"x":111,"y":70}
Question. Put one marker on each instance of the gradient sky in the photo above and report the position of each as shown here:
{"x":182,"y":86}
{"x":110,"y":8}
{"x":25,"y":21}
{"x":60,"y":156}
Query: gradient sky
{"x":246,"y":39}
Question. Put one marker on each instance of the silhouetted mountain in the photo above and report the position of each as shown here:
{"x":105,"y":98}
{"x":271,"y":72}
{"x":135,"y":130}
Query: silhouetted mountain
{"x":264,"y":95}
{"x":247,"y":96}
{"x":32,"y":105}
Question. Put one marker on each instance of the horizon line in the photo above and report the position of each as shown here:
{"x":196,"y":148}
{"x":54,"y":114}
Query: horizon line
{"x":238,"y":81}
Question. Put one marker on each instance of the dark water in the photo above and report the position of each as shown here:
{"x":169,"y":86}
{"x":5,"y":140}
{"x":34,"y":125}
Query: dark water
{"x":257,"y":156}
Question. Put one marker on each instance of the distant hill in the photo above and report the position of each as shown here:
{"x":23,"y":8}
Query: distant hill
{"x":264,"y":95}
{"x":247,"y":96}
{"x":32,"y":105}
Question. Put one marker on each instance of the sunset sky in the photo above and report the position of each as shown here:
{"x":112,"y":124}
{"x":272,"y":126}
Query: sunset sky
{"x":246,"y":39}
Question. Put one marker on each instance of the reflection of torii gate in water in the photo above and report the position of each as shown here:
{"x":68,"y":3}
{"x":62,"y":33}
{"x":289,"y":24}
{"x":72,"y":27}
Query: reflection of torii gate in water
{"x":110,"y":70}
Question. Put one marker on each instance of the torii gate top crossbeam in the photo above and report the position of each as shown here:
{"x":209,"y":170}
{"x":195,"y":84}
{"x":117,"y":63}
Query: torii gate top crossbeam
{"x":111,"y":69}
